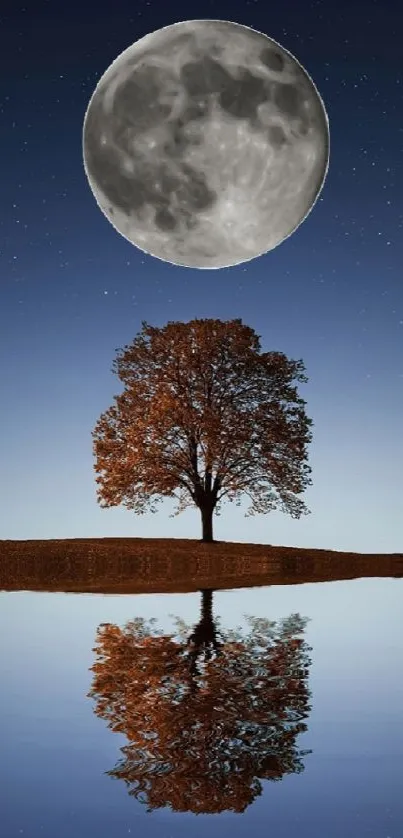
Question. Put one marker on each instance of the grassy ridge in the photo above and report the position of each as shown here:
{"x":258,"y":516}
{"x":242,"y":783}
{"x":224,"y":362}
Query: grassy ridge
{"x":157,"y":565}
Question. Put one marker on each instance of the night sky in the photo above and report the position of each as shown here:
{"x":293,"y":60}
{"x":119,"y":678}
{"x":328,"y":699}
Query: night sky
{"x":73,"y":290}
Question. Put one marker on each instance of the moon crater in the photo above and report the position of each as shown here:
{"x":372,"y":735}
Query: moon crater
{"x":205,"y":144}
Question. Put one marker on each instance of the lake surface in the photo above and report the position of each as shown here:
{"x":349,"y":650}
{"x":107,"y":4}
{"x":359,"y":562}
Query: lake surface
{"x":289,"y":729}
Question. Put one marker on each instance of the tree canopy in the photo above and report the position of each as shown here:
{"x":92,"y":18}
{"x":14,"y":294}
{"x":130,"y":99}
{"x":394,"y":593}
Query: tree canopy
{"x":204,"y":416}
{"x":207,"y":718}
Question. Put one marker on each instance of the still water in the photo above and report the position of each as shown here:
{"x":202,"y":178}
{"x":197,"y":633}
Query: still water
{"x":256,"y":711}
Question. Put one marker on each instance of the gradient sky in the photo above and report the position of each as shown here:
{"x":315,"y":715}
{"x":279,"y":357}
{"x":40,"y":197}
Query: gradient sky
{"x":73,"y":290}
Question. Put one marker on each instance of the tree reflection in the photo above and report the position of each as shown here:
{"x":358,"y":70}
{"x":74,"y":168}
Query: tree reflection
{"x":208,"y":714}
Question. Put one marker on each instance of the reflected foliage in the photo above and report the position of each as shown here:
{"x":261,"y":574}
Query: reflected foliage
{"x":208,"y":714}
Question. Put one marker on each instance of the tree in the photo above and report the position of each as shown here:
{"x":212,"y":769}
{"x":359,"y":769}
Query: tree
{"x":207,"y":717}
{"x":204,"y":415}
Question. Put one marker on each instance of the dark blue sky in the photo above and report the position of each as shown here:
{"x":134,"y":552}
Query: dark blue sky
{"x":73,"y":290}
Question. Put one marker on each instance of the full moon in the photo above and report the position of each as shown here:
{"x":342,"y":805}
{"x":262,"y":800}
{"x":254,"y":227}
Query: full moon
{"x":206,"y":144}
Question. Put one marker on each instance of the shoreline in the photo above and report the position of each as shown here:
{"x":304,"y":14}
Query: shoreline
{"x":161,"y":565}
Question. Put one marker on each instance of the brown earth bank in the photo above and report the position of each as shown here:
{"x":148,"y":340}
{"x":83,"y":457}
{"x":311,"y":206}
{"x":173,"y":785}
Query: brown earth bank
{"x":158,"y":565}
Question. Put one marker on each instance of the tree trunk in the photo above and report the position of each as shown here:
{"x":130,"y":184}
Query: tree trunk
{"x":206,"y":607}
{"x":207,"y":523}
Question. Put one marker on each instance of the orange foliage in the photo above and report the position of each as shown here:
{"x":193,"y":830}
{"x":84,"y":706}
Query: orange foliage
{"x":204,"y":415}
{"x":202,"y":739}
